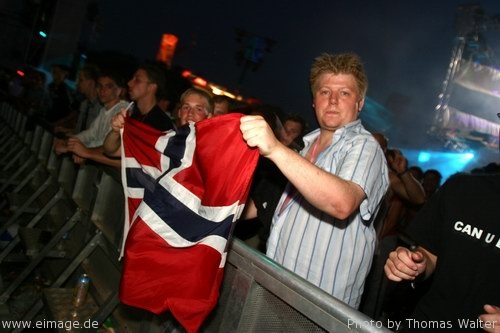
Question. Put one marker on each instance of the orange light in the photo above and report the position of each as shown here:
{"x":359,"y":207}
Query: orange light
{"x":201,"y":82}
{"x":167,"y":49}
{"x":186,"y":73}
{"x":216,"y":91}
{"x":20,"y":72}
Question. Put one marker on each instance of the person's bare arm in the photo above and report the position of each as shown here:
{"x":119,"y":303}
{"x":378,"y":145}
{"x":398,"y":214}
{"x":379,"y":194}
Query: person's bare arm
{"x":250,"y":211}
{"x":113,"y":142}
{"x":331,"y":194}
{"x":402,"y":181}
{"x":96,"y":154}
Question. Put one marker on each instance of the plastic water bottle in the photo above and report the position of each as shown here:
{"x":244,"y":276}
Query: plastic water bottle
{"x":81,"y":290}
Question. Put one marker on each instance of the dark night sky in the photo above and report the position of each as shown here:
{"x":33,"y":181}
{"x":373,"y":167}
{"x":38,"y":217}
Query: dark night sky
{"x":405,"y":45}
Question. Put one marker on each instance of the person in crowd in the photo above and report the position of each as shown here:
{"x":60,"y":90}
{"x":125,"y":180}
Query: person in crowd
{"x":455,"y":238}
{"x":89,"y":107}
{"x":404,"y":190}
{"x":60,"y":95}
{"x":271,"y":115}
{"x":15,"y":87}
{"x":222,"y":105}
{"x":267,"y":186}
{"x":268,"y":182}
{"x":195,"y":105}
{"x":147,"y":84}
{"x":88,"y":143}
{"x":294,"y":127}
{"x":405,"y":194}
{"x":491,"y":167}
{"x":431,"y":181}
{"x":165,"y":104}
{"x":412,"y":209}
{"x":322,"y":227}
{"x":34,"y":99}
{"x":417,"y":173}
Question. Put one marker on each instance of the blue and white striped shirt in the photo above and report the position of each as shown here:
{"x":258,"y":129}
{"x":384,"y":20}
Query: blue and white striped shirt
{"x":334,"y":254}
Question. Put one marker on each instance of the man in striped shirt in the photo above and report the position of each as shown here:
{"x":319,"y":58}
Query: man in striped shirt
{"x":322,"y":227}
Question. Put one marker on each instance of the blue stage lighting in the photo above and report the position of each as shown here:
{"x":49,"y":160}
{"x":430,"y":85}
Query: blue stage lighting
{"x":469,"y":156}
{"x":447,"y":163}
{"x":424,"y":157}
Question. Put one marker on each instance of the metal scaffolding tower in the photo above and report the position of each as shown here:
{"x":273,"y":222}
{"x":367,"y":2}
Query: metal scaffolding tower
{"x":470,"y":44}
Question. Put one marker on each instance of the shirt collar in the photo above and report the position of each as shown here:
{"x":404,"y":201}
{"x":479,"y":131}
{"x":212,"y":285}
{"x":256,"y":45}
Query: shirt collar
{"x":309,"y":138}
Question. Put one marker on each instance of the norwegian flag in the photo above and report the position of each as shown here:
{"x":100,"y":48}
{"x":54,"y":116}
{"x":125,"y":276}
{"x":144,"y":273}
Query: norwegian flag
{"x":185,"y":189}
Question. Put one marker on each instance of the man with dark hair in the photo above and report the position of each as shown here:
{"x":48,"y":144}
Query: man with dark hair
{"x":294,"y":127}
{"x":222,"y":105}
{"x":87,"y":144}
{"x":431,"y":181}
{"x":145,"y":87}
{"x":147,"y":84}
{"x":88,"y":108}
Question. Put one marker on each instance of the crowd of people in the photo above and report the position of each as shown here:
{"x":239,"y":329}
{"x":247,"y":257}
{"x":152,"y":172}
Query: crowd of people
{"x":338,"y":205}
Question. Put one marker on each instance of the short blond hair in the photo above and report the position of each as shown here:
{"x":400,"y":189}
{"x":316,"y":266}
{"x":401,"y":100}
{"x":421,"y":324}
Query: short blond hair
{"x":344,"y":63}
{"x":200,"y":92}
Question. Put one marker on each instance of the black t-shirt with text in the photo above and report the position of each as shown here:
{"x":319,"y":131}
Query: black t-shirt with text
{"x":461,"y":226}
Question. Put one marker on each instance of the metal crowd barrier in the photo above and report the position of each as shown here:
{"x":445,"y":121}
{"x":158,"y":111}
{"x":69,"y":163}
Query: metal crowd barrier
{"x":257,"y":294}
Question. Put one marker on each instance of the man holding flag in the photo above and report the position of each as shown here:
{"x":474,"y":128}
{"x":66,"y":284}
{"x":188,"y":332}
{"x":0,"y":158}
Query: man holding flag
{"x":322,"y":227}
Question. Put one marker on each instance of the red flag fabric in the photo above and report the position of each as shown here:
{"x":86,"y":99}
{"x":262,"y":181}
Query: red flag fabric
{"x":184,"y":190}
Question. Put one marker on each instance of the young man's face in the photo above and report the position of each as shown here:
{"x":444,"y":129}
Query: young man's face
{"x":140,"y":86}
{"x":85,"y":84}
{"x":194,"y":108}
{"x":291,"y":130}
{"x":221,"y":108}
{"x":107,"y":91}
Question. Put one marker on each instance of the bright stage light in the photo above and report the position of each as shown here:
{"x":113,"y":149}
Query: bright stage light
{"x":447,"y":163}
{"x":424,"y":157}
{"x":468,"y":156}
